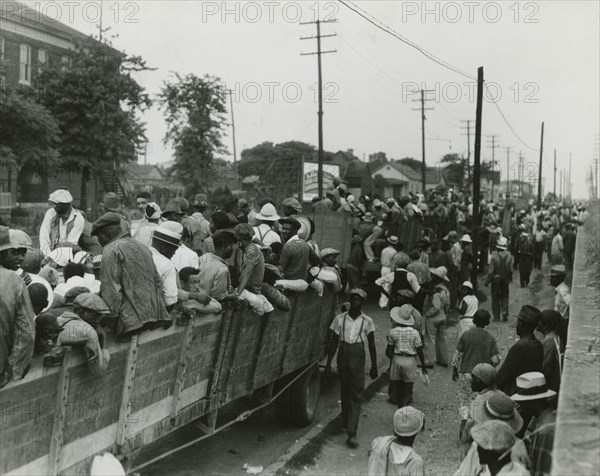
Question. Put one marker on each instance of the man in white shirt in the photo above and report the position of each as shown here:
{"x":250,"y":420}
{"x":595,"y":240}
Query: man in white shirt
{"x":562,"y":299}
{"x":264,"y":231}
{"x":350,"y":329}
{"x":152,"y":214}
{"x":184,"y":257}
{"x":62,"y":225}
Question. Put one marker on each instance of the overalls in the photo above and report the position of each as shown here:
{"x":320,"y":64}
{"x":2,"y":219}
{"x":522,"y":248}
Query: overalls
{"x":351,"y":368}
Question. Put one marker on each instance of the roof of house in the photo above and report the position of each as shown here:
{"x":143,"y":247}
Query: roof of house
{"x":21,"y":13}
{"x":411,"y":173}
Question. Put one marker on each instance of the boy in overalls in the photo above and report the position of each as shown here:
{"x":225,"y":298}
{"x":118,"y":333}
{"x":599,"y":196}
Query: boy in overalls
{"x":349,"y":332}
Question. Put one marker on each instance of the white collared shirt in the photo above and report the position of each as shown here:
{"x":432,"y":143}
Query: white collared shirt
{"x":352,"y":327}
{"x":168,"y":273}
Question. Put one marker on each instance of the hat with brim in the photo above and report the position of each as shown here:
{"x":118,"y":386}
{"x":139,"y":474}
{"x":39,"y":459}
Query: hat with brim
{"x":466,"y":239}
{"x":39,"y":280}
{"x":558,"y":270}
{"x":494,"y":435}
{"x":441,"y":273}
{"x":358,"y":292}
{"x":467,"y":284}
{"x":532,"y":386}
{"x":393,"y":240}
{"x":61,"y":256}
{"x":502,"y":243}
{"x":268,"y":213}
{"x":167,"y":236}
{"x":408,"y":421}
{"x":111,"y":202}
{"x":498,"y":407}
{"x":108,"y":219}
{"x":402,"y":315}
{"x":529,"y":314}
{"x":485,"y":372}
{"x":200,"y":200}
{"x":172,"y":207}
{"x":305,"y":227}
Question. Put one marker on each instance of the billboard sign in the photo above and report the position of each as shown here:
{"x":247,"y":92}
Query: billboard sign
{"x":310,"y":180}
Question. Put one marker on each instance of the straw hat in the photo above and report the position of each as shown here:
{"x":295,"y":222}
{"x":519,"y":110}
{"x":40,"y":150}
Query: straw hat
{"x":408,"y":421}
{"x":402,"y":315}
{"x":268,"y":213}
{"x":440,"y":272}
{"x":532,"y":386}
{"x":499,"y":407}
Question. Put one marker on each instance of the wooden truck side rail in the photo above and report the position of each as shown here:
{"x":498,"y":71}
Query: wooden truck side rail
{"x":56,"y":419}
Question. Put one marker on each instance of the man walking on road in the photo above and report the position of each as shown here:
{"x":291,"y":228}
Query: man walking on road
{"x":349,"y":331}
{"x":500,"y":275}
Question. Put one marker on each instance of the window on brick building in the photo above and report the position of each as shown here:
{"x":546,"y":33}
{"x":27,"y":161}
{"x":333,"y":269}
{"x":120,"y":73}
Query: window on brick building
{"x":66,"y":62}
{"x":25,"y":64}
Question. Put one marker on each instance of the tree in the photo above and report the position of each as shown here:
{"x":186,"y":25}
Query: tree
{"x":195,"y":115}
{"x":414,"y":164}
{"x":96,"y":102}
{"x":30,"y":135}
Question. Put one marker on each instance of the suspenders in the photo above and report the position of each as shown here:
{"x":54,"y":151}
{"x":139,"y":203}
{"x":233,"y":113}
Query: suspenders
{"x":362,"y":323}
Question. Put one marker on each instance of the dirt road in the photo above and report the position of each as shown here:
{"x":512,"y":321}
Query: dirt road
{"x":438,"y":444}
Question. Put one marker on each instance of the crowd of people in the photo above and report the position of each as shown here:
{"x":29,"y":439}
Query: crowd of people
{"x":89,"y":282}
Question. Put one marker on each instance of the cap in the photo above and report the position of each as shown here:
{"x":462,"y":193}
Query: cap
{"x":403,"y":315}
{"x":242,"y":203}
{"x":153,"y":211}
{"x":72,"y":293}
{"x":244,"y":229}
{"x":92,"y":302}
{"x":267,"y":213}
{"x":60,"y":196}
{"x":377,"y":203}
{"x":529,"y":314}
{"x":200,"y":200}
{"x":14,"y":239}
{"x":532,"y":386}
{"x":466,"y":239}
{"x":173,"y":207}
{"x":166,"y":235}
{"x":293,"y":204}
{"x":32,"y":261}
{"x":50,"y":275}
{"x":290,"y":221}
{"x":468,"y":284}
{"x":494,"y":435}
{"x":368,"y":216}
{"x":108,"y":219}
{"x":393,"y":240}
{"x":408,"y":421}
{"x":111,"y":202}
{"x":502,"y":243}
{"x":172,"y":226}
{"x":328,"y":251}
{"x":486,"y":373}
{"x":558,"y":270}
{"x":358,"y":292}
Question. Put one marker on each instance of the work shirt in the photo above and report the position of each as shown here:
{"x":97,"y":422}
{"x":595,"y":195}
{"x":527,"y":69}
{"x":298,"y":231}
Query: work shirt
{"x":75,"y":331}
{"x":214,"y":276}
{"x":541,"y":442}
{"x":525,"y":356}
{"x":17,"y":327}
{"x":472,"y":305}
{"x":253,"y":265}
{"x":55,"y":230}
{"x":168,"y":273}
{"x":389,"y":458}
{"x":266,"y":234}
{"x":439,"y":304}
{"x":477,"y":346}
{"x":294,"y":258}
{"x":562,"y":300}
{"x":386,"y":256}
{"x":130,"y":284}
{"x":185,"y":258}
{"x":355,"y":330}
{"x":404,"y":339}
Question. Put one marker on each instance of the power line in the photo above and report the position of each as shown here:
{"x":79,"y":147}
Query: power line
{"x":382,"y":26}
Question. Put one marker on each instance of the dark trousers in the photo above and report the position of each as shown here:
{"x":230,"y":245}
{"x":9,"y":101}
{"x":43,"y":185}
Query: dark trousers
{"x":525,"y":265}
{"x":351,"y":368}
{"x":353,"y":276}
{"x":538,"y":253}
{"x":500,"y":300}
{"x":401,"y":392}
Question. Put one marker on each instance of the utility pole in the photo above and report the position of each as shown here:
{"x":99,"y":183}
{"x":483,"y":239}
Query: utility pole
{"x":423,"y":109}
{"x":521,"y":174}
{"x":507,"y":173}
{"x":570,"y":182}
{"x":468,"y":134}
{"x":477,"y":176}
{"x":235,"y":170}
{"x":539,"y":197}
{"x":493,"y":147}
{"x":319,"y":52}
{"x":561,"y":183}
{"x":554,"y":188}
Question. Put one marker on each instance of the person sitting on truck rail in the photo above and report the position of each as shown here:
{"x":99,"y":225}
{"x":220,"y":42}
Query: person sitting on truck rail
{"x":295,"y":252}
{"x":83,"y":327}
{"x":214,"y":274}
{"x":130,"y":284}
{"x":264,"y":232}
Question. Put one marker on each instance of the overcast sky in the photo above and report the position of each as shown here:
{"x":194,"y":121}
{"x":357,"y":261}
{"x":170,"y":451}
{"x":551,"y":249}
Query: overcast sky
{"x":542,"y":58}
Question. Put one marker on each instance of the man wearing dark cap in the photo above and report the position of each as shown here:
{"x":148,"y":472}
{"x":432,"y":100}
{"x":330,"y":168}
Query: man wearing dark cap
{"x":349,"y":331}
{"x":62,"y":225}
{"x":130,"y":284}
{"x":252,"y":270}
{"x":111,"y":203}
{"x":295,"y":252}
{"x":526,"y":355}
{"x":172,"y":212}
{"x":214,"y":271}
